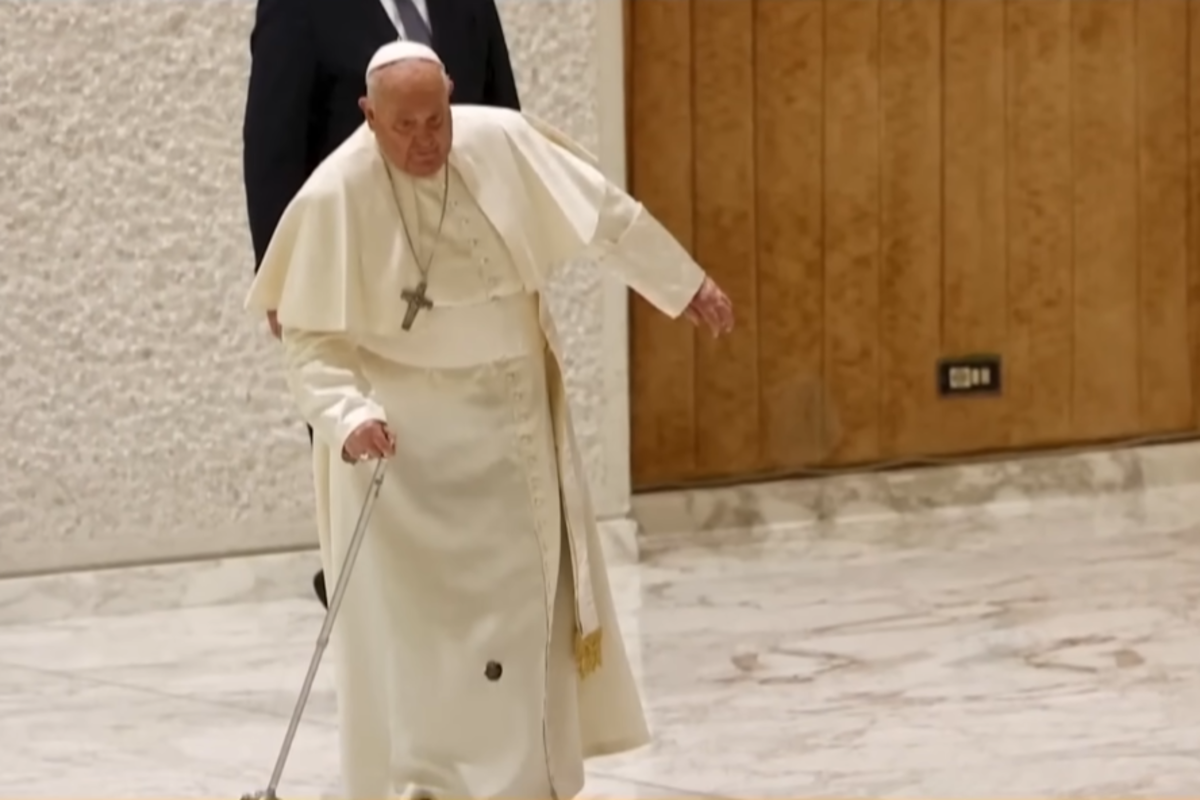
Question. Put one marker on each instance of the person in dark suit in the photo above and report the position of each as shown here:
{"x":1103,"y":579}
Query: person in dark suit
{"x":307,"y":73}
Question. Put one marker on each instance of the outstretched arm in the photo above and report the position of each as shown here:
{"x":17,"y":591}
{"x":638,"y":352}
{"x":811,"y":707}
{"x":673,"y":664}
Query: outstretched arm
{"x":327,"y":382}
{"x":653,"y":263}
{"x":647,"y":258}
{"x":604,"y":219}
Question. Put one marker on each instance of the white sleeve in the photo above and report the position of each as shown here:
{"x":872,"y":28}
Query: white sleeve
{"x":644,"y":255}
{"x":628,"y":241}
{"x":326,"y":379}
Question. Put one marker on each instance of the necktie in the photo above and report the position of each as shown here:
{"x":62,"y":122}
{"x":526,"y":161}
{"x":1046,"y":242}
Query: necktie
{"x":415,"y":29}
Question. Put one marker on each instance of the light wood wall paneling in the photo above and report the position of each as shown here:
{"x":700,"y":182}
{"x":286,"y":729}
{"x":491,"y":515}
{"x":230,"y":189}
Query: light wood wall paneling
{"x":1165,"y":401}
{"x":1104,"y":115}
{"x":882,"y":183}
{"x":662,"y":375}
{"x":1041,"y":232}
{"x":725,"y":232}
{"x":795,"y":423}
{"x":851,"y":226}
{"x":911,"y":221}
{"x":975,"y":220}
{"x":1193,"y":261}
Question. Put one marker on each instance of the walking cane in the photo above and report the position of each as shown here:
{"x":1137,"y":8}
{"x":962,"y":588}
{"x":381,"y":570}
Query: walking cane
{"x":335,"y":603}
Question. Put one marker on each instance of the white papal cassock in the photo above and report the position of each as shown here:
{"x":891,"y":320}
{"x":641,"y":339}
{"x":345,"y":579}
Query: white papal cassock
{"x":477,"y":654}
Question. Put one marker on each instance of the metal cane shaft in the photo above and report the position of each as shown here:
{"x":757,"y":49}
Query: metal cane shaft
{"x":335,"y":603}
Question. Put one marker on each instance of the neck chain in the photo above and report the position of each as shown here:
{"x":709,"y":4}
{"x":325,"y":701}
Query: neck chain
{"x":423,"y":269}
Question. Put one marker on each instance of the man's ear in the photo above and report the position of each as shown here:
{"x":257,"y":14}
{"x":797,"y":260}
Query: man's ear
{"x":369,"y":113}
{"x":449,"y":87}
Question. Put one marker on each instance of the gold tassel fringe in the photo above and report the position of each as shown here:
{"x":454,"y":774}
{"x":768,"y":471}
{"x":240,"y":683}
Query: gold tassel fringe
{"x":588,"y":655}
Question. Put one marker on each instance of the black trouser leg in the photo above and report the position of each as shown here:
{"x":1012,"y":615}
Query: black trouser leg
{"x":319,"y":587}
{"x":319,"y":578}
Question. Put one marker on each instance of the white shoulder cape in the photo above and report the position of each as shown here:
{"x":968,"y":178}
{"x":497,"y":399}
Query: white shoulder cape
{"x":336,"y":263}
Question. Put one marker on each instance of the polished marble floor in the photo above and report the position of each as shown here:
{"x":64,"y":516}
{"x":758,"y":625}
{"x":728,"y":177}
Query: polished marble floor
{"x":1051,"y":651}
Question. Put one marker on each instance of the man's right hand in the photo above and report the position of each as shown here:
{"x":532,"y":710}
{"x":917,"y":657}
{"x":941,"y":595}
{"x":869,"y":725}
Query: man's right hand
{"x":369,"y":441}
{"x":273,"y":324}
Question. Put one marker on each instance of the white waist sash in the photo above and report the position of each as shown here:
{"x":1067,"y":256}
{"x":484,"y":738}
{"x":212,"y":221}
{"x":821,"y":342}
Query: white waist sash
{"x":452,"y":337}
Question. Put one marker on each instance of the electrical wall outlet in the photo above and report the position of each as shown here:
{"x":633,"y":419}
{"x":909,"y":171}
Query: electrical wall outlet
{"x":969,"y":375}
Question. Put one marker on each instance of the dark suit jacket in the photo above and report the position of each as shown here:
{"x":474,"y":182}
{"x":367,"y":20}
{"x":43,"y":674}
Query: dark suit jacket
{"x":307,"y":75}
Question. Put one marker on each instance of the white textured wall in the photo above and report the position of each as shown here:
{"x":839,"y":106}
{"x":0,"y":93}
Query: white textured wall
{"x":144,"y":415}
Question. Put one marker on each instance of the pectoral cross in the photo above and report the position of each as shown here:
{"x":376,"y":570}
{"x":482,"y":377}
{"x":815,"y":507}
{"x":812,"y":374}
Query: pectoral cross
{"x":417,"y":302}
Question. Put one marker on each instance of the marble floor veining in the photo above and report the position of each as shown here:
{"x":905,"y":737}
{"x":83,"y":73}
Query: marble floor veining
{"x":1054,"y":652}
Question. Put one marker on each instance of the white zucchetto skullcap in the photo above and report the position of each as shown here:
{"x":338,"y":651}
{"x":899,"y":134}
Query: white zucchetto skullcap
{"x":401,"y":50}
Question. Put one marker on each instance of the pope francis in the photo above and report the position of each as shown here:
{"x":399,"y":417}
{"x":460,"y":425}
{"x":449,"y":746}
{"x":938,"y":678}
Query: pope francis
{"x":477,"y":654}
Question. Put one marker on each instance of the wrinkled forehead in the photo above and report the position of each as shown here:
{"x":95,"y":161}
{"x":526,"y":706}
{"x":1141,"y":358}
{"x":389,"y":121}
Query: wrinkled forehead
{"x":413,"y":103}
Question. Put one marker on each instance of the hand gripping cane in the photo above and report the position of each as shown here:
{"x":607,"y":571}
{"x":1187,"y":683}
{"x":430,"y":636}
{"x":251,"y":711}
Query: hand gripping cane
{"x":335,"y":603}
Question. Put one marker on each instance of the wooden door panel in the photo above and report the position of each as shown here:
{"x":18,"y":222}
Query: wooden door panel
{"x":1165,"y":399}
{"x":851,"y":228}
{"x":1104,"y":153}
{"x":793,"y":425}
{"x":1193,"y":193}
{"x":880,"y":184}
{"x":727,"y":413}
{"x":661,"y":369}
{"x":974,"y":212}
{"x":910,"y":176}
{"x":1040,"y":233}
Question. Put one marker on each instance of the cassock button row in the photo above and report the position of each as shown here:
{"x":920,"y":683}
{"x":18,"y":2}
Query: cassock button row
{"x":493,"y":671}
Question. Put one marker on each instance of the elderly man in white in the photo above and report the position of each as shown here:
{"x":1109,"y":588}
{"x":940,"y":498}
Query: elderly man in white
{"x":478,"y":653}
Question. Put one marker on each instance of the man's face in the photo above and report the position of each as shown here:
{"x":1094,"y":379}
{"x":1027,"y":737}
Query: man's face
{"x":409,"y":113}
